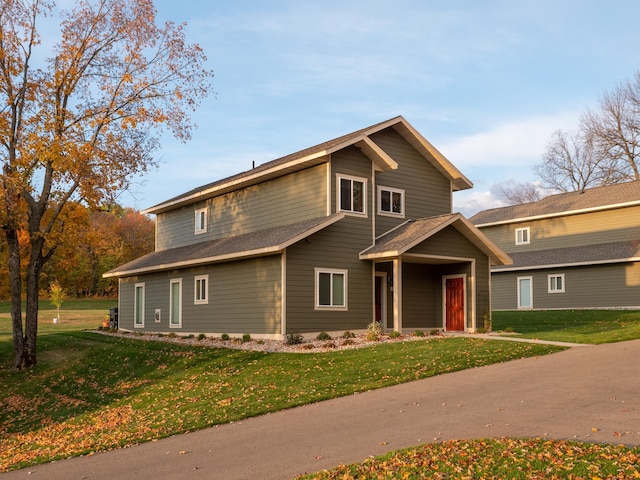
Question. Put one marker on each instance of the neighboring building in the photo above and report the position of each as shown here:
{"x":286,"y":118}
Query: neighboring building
{"x":327,"y":239}
{"x":577,"y":250}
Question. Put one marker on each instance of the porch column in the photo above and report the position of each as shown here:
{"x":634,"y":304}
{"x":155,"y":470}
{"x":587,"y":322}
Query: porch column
{"x":397,"y":295}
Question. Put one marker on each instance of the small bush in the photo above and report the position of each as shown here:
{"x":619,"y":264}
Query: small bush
{"x":372,"y":337}
{"x":508,"y":330}
{"x":395,"y":334}
{"x":481,"y":330}
{"x":348,"y":334}
{"x":348,"y":341}
{"x":260,"y":341}
{"x":224,"y":337}
{"x":293,"y":338}
{"x":435,"y":332}
{"x":418,"y":333}
{"x":246,"y":338}
{"x":189,"y":337}
{"x":488,"y":324}
{"x":375,"y":328}
{"x":323,"y":336}
{"x":173,"y":335}
{"x":307,"y":346}
{"x":202,"y":336}
{"x":329,"y":345}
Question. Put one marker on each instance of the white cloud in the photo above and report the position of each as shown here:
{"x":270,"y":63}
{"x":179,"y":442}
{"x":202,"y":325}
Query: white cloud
{"x":470,"y":203}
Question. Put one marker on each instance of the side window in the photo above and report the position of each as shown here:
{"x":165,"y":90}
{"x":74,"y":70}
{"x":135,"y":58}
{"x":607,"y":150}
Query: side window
{"x":138,"y":305}
{"x":556,"y":283}
{"x":201,"y":221}
{"x":352,"y":194}
{"x":523,"y":236}
{"x":201,"y":290}
{"x":331,"y":289}
{"x":391,"y":201}
{"x":175,"y":303}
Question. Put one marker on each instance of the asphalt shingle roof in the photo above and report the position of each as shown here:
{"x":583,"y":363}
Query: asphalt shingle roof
{"x":563,"y":202}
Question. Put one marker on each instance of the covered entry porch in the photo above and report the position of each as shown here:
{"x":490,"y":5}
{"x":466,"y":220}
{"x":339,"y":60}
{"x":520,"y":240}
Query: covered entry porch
{"x":433,"y":273}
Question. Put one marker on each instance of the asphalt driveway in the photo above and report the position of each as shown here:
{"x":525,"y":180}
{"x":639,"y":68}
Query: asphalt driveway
{"x":584,"y":393}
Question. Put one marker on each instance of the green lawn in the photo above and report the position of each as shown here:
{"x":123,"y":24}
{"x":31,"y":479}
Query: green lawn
{"x":93,"y":392}
{"x":575,"y":326}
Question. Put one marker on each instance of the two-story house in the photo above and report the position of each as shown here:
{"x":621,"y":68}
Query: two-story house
{"x":577,"y":250}
{"x":327,"y":239}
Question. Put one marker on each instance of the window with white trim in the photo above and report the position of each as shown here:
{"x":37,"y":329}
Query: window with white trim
{"x":352,"y":194}
{"x":523,"y":236}
{"x":556,"y":283}
{"x":201,"y":221}
{"x":138,"y":305}
{"x":390,"y":201}
{"x":175,"y":303}
{"x":331,"y":289}
{"x":201,"y":285}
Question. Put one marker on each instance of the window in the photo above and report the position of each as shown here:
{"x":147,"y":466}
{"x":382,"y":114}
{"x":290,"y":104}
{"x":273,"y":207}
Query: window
{"x":175,"y":303}
{"x":390,"y":201}
{"x":201,"y":221}
{"x":201,"y":285}
{"x":523,"y":236}
{"x":138,"y":305}
{"x":525,"y":292}
{"x":352,"y":194}
{"x":556,"y":283}
{"x":331,"y":289}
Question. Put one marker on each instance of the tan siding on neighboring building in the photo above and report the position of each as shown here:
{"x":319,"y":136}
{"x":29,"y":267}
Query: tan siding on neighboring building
{"x":285,"y":200}
{"x":575,"y":230}
{"x":597,"y":286}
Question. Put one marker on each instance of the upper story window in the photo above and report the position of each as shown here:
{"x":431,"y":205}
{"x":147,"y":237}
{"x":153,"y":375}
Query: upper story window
{"x":390,"y":201}
{"x":523,"y":236}
{"x":201,"y":221}
{"x":352,"y":194}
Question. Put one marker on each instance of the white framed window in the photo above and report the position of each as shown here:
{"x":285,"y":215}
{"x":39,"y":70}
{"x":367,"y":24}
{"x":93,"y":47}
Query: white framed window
{"x":556,"y":283}
{"x":331,"y":289}
{"x":352,"y":194}
{"x":523,"y":236}
{"x":391,"y":201}
{"x":138,"y":305}
{"x":175,"y":303}
{"x":525,"y":293}
{"x":201,"y":286}
{"x":201,"y":220}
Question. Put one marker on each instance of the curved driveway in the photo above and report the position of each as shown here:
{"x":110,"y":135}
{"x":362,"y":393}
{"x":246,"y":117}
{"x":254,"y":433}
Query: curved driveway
{"x":584,"y":393}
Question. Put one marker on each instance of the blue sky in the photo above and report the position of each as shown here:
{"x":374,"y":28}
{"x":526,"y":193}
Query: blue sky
{"x":486,"y":82}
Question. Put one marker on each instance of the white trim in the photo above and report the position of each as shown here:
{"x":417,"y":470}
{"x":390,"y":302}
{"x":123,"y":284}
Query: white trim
{"x":201,"y":227}
{"x":196,"y":290}
{"x":561,"y":214}
{"x":135,"y":304}
{"x":524,"y":241}
{"x":444,"y":299}
{"x":529,"y":307}
{"x":365,"y":194}
{"x":397,"y":295}
{"x":173,"y":282}
{"x":383,"y":300}
{"x":565,"y":265}
{"x":391,"y":190}
{"x":556,"y":290}
{"x":345,"y":289}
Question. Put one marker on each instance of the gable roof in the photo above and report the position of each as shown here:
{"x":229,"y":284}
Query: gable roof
{"x":605,"y":253}
{"x":318,"y":154}
{"x":412,"y":232}
{"x":263,"y":242}
{"x":592,"y":199}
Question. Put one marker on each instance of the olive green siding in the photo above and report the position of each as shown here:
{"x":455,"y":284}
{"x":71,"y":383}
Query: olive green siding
{"x":427,"y":191}
{"x":596,"y":286}
{"x":335,"y":247}
{"x":244,"y":297}
{"x":284,"y":200}
{"x":592,"y":228}
{"x":421,"y":296}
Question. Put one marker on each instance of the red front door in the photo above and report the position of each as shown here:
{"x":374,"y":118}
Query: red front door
{"x":454,"y":304}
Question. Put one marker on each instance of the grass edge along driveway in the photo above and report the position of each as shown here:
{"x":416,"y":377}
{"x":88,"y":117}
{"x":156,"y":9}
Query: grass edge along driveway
{"x":92,"y":392}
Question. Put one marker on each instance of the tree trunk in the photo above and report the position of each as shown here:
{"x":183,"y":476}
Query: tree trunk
{"x":33,"y":289}
{"x":15,"y":285}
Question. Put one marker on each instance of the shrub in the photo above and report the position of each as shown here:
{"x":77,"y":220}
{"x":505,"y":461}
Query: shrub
{"x":487,"y":322}
{"x":329,"y":345}
{"x":481,"y":330}
{"x":246,"y":338}
{"x":435,"y":332}
{"x":348,"y":334}
{"x":372,"y":337}
{"x":173,"y":335}
{"x":224,"y":337}
{"x":307,"y":346}
{"x":202,"y":336}
{"x":190,"y":336}
{"x":374,"y":328}
{"x":395,"y":334}
{"x":348,"y":341}
{"x":260,"y":341}
{"x":418,"y":333}
{"x":293,"y":338}
{"x":508,"y":330}
{"x":323,"y":336}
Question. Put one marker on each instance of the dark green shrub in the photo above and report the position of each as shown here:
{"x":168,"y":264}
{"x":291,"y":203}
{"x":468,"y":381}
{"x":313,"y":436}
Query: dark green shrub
{"x":323,"y":336}
{"x":348,"y":341}
{"x":202,"y":336}
{"x":395,"y":334}
{"x":435,"y":332}
{"x":418,"y":333}
{"x":293,"y":338}
{"x":224,"y":337}
{"x":246,"y":338}
{"x":348,"y":334}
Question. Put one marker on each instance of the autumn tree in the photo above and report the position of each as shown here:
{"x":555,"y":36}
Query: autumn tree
{"x":77,"y":126}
